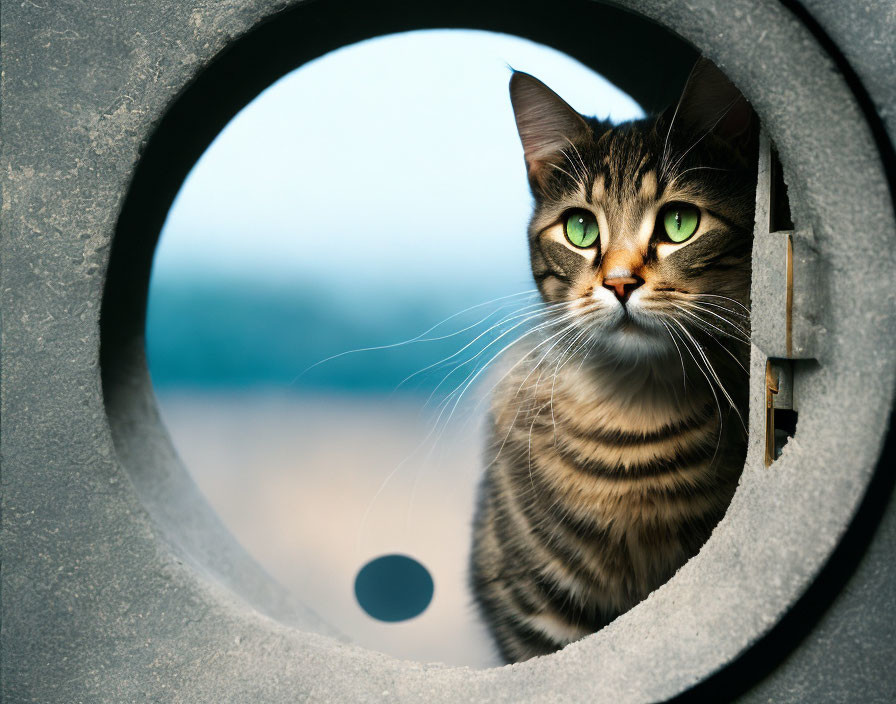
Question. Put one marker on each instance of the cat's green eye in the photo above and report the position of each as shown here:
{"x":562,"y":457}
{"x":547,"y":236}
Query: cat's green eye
{"x":680,"y":221}
{"x":581,"y":228}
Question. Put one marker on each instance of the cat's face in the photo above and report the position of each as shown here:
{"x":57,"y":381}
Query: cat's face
{"x":641,"y":229}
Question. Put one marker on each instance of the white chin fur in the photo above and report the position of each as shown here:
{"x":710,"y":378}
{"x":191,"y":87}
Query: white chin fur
{"x":631,"y":346}
{"x":639,"y":339}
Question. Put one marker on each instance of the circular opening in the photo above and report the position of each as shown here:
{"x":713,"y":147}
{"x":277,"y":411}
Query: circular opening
{"x":823,"y":494}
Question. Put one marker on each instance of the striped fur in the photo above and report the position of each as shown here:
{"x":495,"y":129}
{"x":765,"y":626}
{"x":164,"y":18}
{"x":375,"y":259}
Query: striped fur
{"x":616,"y":439}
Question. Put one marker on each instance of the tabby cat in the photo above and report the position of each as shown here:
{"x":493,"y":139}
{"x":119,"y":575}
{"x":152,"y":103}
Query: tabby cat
{"x":618,"y":436}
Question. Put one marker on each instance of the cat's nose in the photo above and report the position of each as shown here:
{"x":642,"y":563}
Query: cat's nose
{"x":623,"y":286}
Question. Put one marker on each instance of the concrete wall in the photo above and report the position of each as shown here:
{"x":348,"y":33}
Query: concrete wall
{"x":119,"y":583}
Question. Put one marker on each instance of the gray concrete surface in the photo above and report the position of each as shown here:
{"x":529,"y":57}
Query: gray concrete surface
{"x":119,"y":584}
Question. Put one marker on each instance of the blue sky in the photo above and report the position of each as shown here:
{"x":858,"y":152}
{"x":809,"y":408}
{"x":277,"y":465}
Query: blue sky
{"x":389,"y":164}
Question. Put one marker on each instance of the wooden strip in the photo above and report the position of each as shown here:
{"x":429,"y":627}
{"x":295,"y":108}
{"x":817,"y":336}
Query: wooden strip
{"x":788,"y":334}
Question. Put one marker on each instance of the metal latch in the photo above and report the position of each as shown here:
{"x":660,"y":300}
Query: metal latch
{"x":783,"y":299}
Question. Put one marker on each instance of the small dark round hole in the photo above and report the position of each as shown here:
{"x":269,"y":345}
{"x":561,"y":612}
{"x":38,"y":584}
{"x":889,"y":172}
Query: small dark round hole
{"x":393,"y":588}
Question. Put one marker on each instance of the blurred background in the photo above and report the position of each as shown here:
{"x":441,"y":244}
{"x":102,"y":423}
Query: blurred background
{"x":332,"y":281}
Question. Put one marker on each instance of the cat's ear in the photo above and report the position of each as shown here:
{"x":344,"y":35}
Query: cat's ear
{"x":546,"y":123}
{"x":711,"y":103}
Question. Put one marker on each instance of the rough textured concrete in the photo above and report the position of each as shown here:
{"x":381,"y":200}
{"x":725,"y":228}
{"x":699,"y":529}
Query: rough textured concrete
{"x":769,"y":293}
{"x":120,"y":585}
{"x":863,"y":33}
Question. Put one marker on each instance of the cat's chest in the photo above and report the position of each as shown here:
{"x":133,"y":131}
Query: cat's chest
{"x":623,"y":423}
{"x":624,"y":465}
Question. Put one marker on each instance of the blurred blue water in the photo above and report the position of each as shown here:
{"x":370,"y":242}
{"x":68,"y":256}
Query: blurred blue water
{"x":209,"y":333}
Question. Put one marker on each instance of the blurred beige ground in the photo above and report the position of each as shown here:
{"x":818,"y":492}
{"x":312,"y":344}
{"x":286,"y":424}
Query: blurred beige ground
{"x":313,"y":488}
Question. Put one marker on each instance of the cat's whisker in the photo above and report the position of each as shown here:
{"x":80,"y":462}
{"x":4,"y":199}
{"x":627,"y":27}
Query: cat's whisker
{"x":529,"y":445}
{"x":482,"y":351}
{"x":567,"y":329}
{"x":684,"y":374}
{"x":685,"y":339}
{"x":581,"y":169}
{"x":711,"y":330}
{"x":726,"y":298}
{"x":712,"y":309}
{"x":678,"y":175}
{"x":738,"y":332}
{"x":506,"y":435}
{"x":537,"y":365}
{"x":453,"y":408}
{"x":473,"y":375}
{"x":587,"y":354}
{"x":562,"y":170}
{"x":697,"y":364}
{"x":719,"y":342}
{"x":513,"y":315}
{"x":366,"y":515}
{"x":523,"y":318}
{"x":561,"y":335}
{"x":694,"y":316}
{"x":509,"y":371}
{"x":422,"y":336}
{"x":708,"y":131}
{"x":665,"y":154}
{"x":711,"y":369}
{"x":709,"y":366}
{"x":567,"y":353}
{"x":719,"y":306}
{"x":552,"y":319}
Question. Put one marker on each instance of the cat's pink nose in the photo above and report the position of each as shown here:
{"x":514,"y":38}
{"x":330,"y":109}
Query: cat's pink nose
{"x":623,"y":286}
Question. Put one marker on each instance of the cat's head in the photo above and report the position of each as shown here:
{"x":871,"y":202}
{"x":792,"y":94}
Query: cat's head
{"x":642,"y":232}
